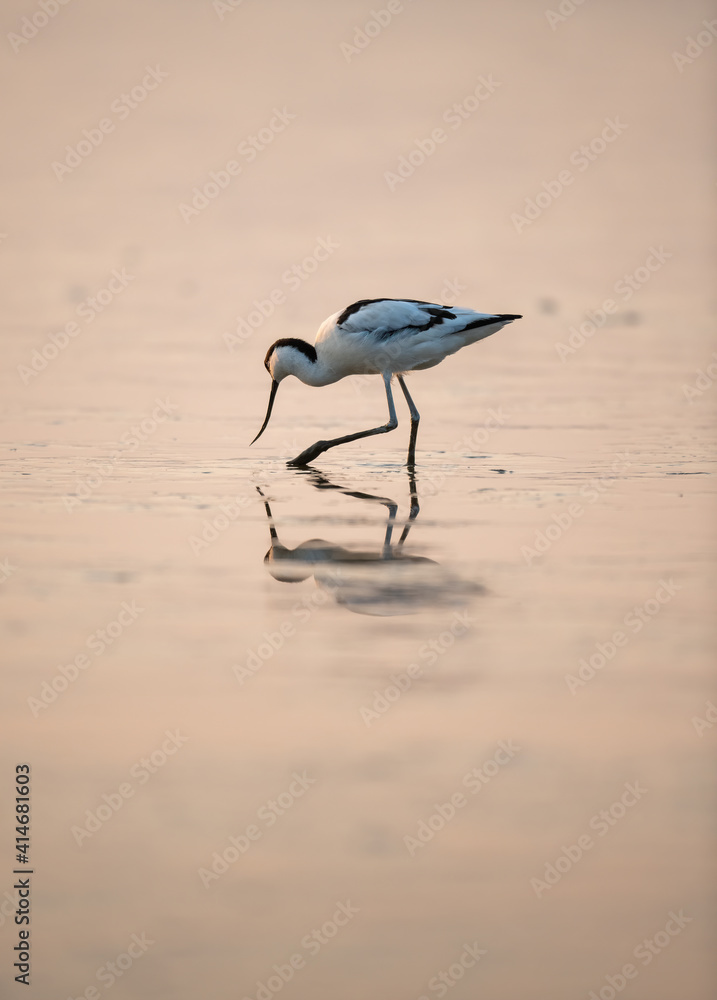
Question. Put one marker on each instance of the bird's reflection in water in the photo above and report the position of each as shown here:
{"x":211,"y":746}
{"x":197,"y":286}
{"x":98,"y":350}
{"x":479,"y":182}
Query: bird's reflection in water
{"x":385,"y":580}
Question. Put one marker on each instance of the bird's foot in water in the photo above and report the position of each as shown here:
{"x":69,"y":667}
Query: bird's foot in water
{"x":309,"y":454}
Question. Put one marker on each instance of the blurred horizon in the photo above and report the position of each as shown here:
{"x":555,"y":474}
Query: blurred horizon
{"x":187,"y":182}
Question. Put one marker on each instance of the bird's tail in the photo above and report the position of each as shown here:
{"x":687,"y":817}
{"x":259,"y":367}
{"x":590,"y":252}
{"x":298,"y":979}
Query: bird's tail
{"x":491,"y":320}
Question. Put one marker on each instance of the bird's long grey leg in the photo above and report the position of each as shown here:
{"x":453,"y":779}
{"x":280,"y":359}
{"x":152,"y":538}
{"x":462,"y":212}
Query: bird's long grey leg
{"x":415,"y":417}
{"x":309,"y":454}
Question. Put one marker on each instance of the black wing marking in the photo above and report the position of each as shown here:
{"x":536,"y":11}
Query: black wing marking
{"x":499,"y":318}
{"x":437,"y":315}
{"x":356,"y":306}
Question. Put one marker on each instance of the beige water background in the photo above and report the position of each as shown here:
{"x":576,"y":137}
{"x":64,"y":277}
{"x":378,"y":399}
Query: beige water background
{"x":514,"y":441}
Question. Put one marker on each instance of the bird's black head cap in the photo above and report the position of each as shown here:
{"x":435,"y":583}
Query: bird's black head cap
{"x":300,"y":345}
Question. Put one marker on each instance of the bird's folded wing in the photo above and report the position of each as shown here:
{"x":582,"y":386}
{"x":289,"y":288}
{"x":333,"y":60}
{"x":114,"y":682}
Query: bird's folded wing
{"x":384,"y":317}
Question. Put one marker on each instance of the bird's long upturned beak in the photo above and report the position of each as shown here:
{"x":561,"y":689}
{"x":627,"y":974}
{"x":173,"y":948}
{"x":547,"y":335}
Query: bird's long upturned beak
{"x":272,"y":396}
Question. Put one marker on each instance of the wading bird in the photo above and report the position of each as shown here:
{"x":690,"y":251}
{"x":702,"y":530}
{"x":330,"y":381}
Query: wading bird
{"x":383,"y":337}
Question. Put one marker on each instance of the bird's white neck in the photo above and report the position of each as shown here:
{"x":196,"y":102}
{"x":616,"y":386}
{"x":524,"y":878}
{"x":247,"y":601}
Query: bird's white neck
{"x":295,"y":362}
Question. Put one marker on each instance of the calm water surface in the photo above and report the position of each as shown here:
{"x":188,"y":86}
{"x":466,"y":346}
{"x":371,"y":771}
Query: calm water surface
{"x":341,"y":732}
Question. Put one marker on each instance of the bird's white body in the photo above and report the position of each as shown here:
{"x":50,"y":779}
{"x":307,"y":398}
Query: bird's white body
{"x":393,"y":335}
{"x":384,"y":337}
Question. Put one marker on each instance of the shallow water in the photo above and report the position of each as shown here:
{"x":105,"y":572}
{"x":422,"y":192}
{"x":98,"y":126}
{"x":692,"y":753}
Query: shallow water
{"x":466,"y":709}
